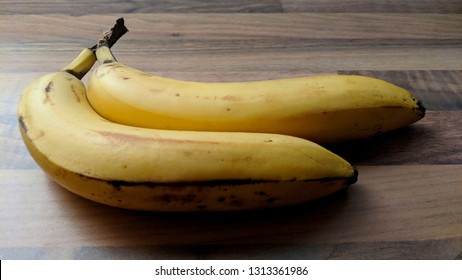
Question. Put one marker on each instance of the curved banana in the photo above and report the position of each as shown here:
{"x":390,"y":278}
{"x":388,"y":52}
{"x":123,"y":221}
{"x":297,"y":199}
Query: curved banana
{"x":167,"y":170}
{"x":324,"y":109}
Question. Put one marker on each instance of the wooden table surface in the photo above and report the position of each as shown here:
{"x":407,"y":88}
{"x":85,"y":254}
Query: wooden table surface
{"x":407,"y":203}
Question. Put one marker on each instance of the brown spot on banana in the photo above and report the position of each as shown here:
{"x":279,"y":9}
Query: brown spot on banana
{"x":31,"y":136}
{"x":22,"y":124}
{"x":106,"y":68}
{"x":48,"y":87}
{"x":120,"y":138}
{"x":117,"y":138}
{"x":230,"y":98}
{"x":47,"y":91}
{"x":76,"y":94}
{"x":39,"y":135}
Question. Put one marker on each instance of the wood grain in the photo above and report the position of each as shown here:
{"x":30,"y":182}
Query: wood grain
{"x":406,"y":204}
{"x":236,"y":6}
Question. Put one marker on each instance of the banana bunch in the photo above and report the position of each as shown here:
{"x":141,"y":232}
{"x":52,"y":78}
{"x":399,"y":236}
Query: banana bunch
{"x":323,"y":109}
{"x":166,"y":170}
{"x":136,"y":141}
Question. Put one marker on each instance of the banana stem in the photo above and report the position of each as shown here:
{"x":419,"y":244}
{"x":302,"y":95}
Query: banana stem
{"x":110,"y":37}
{"x":80,"y":66}
{"x":103,"y":48}
{"x":104,"y":55}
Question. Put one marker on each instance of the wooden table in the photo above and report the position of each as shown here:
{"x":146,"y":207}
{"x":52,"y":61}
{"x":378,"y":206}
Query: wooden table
{"x":407,"y":203}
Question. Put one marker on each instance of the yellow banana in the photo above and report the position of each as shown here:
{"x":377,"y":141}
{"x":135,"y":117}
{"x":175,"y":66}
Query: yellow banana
{"x":324,"y":109}
{"x":166,"y":170}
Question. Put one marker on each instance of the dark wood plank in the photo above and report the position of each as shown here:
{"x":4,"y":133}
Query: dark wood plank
{"x":126,"y":7}
{"x":420,"y":250}
{"x":372,"y":6}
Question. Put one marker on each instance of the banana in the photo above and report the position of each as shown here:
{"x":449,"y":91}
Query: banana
{"x":166,"y":170}
{"x":324,"y":109}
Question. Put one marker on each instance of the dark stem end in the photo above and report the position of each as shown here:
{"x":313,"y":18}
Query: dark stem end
{"x":111,"y":36}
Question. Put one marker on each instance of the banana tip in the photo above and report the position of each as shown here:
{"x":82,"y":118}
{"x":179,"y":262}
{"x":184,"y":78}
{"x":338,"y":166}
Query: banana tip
{"x":421,"y":108}
{"x":353,"y":179}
